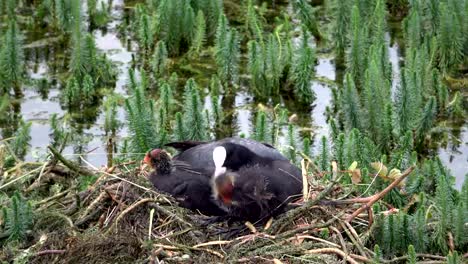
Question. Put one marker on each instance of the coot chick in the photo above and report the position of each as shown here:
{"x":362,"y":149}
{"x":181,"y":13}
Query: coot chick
{"x":240,"y":152}
{"x":189,"y":187}
{"x":255,"y":192}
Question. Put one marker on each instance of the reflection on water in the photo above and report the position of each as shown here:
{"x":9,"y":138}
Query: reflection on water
{"x":455,"y":154}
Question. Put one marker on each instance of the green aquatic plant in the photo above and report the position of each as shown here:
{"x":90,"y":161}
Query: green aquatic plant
{"x":141,"y":119}
{"x":413,"y":28}
{"x":17,"y":217}
{"x":340,"y":29}
{"x":256,"y":68}
{"x":145,"y":33}
{"x":227,"y":51}
{"x":261,"y":129}
{"x":306,"y":147}
{"x":111,"y":119}
{"x":376,"y":92}
{"x":351,"y":105}
{"x":179,"y":129}
{"x":455,"y":107}
{"x":58,"y":131}
{"x":98,"y":17}
{"x":444,"y":204}
{"x":199,"y":35}
{"x":339,"y":151}
{"x":63,"y":15}
{"x":458,"y":225}
{"x":306,"y":14}
{"x":420,"y":231}
{"x":411,"y":255}
{"x":291,"y":153}
{"x":377,"y":255}
{"x":253,"y":23}
{"x":323,"y":157}
{"x":20,"y":143}
{"x":356,"y":59}
{"x":166,"y":99}
{"x":427,"y":119}
{"x":302,"y":71}
{"x":450,"y":38}
{"x":174,"y":22}
{"x":160,"y":60}
{"x":12,"y":60}
{"x":212,"y":9}
{"x":215,"y":92}
{"x":273,"y":69}
{"x":377,"y":30}
{"x":193,"y":112}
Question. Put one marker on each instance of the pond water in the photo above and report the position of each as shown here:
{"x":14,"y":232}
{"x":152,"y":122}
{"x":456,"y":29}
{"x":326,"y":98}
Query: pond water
{"x":38,"y":105}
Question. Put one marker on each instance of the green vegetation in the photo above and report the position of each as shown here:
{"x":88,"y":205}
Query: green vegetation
{"x":204,"y":69}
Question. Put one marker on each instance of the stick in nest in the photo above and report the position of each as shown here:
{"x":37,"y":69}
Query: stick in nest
{"x":332,"y":251}
{"x":369,"y":201}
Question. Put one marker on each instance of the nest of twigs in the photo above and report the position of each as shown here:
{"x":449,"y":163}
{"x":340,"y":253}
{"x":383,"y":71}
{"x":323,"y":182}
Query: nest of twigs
{"x":121,"y":219}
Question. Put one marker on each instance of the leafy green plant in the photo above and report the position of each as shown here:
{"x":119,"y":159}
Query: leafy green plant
{"x":141,"y":119}
{"x":179,"y":129}
{"x":306,"y":13}
{"x":11,"y":60}
{"x":323,"y":157}
{"x":193,"y":112}
{"x":261,"y":129}
{"x":111,"y":121}
{"x":357,"y":54}
{"x":58,"y":131}
{"x":340,"y":29}
{"x":98,"y":17}
{"x":215,"y":89}
{"x":253,"y":23}
{"x":291,"y":153}
{"x":160,"y":60}
{"x":199,"y":35}
{"x":18,"y":217}
{"x":227,"y":51}
{"x":22,"y":136}
{"x":450,"y":38}
{"x":351,"y":104}
{"x":302,"y":71}
{"x":411,"y":255}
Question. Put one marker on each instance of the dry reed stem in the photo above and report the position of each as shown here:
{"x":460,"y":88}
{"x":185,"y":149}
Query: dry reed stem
{"x":369,"y":201}
{"x":332,"y":251}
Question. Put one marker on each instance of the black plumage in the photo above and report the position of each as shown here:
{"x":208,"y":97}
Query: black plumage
{"x":257,"y":191}
{"x":189,"y":187}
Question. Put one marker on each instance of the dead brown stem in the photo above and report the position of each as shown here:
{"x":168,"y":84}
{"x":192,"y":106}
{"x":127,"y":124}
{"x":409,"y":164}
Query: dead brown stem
{"x":50,"y":251}
{"x":332,"y":251}
{"x":369,"y":201}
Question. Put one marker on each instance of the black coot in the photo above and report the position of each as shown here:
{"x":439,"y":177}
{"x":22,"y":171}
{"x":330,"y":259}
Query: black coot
{"x":240,"y":152}
{"x":258,"y":191}
{"x":192,"y":189}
